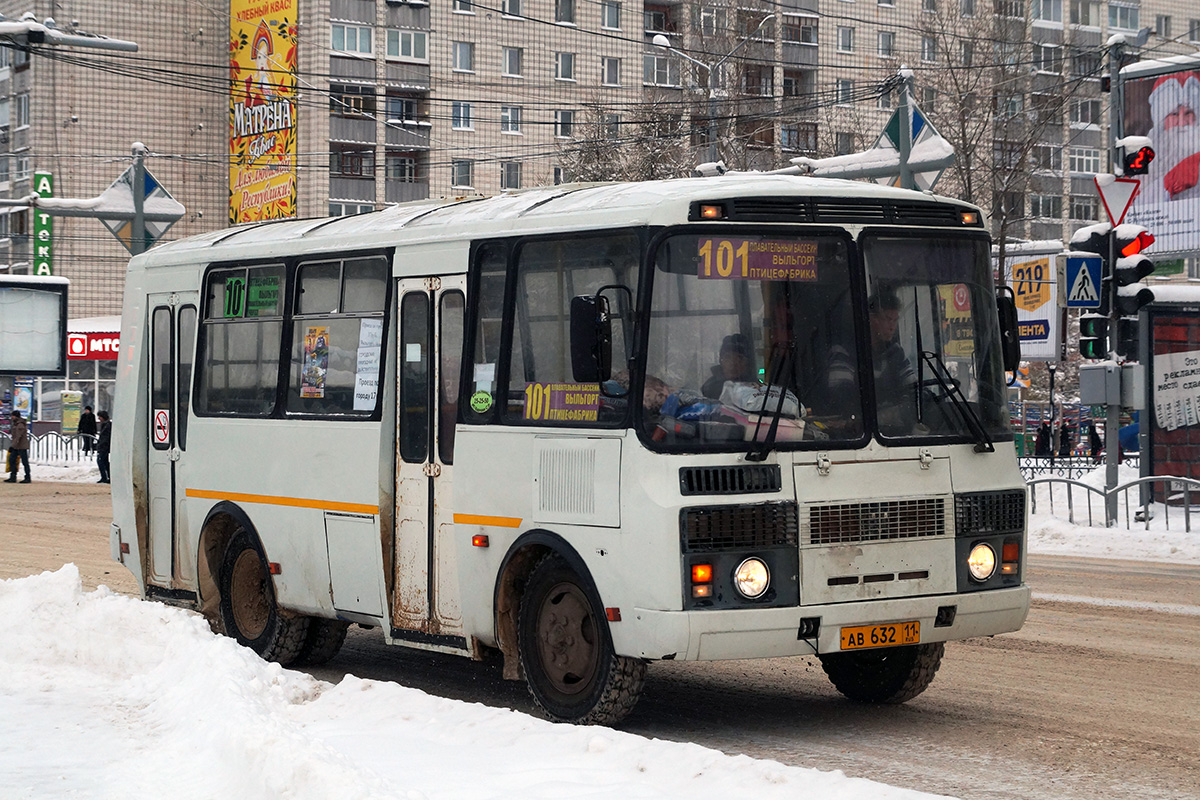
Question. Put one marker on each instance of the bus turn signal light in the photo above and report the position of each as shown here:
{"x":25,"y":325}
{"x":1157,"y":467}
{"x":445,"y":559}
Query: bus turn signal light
{"x":701,"y":573}
{"x":1010,"y":558}
{"x":479,"y":540}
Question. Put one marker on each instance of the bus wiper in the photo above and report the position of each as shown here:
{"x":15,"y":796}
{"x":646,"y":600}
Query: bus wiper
{"x":950,"y":388}
{"x":760,"y":453}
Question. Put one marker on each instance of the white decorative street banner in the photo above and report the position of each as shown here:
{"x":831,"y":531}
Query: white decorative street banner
{"x":1177,"y":389}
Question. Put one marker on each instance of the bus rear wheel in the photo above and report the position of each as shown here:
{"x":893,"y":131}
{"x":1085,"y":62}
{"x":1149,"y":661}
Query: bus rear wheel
{"x":567,"y":653}
{"x":248,"y":609}
{"x":890,"y":675}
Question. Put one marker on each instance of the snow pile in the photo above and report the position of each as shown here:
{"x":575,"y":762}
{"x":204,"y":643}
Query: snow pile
{"x":108,"y":696}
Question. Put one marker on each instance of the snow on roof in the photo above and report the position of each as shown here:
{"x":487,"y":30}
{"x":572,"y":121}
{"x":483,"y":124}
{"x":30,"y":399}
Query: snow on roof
{"x":1155,"y":66}
{"x":1035,"y":246}
{"x":52,"y":279}
{"x":94,"y":325}
{"x":1176,"y":293}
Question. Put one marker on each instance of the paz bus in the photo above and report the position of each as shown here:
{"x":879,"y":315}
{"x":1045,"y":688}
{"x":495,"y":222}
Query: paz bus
{"x":588,"y":426}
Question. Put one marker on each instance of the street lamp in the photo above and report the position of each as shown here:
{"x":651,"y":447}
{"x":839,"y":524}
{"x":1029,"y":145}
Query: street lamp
{"x":664,"y":43}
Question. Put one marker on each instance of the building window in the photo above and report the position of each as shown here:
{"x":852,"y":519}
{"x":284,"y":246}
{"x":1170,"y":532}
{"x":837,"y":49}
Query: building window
{"x":350,"y":38}
{"x":1085,"y":159}
{"x":22,"y":174}
{"x":844,"y":142}
{"x":968,"y":53}
{"x":1084,"y":207}
{"x":463,"y":7}
{"x":1085,"y":63}
{"x":929,"y":6}
{"x":1162,"y":26}
{"x":5,"y":177}
{"x":1194,"y":30}
{"x":1125,"y":17}
{"x":1047,"y":157}
{"x":464,"y":56}
{"x":1006,"y":154}
{"x":610,"y":71}
{"x":1085,"y":112}
{"x":654,"y":21}
{"x":564,"y":11}
{"x":1047,"y":58}
{"x":929,"y":49}
{"x":22,"y":108}
{"x":967,"y":8}
{"x":891,"y":3}
{"x":510,"y":8}
{"x":564,"y":66}
{"x":407,"y":44}
{"x":1045,"y":206}
{"x":460,"y":116}
{"x":1010,"y":8}
{"x":400,"y":168}
{"x":510,"y":119}
{"x":845,"y":39}
{"x":797,"y":83}
{"x":1085,"y":12}
{"x":887,"y":44}
{"x":885,"y":100}
{"x":564,"y":124}
{"x":356,"y":162}
{"x":401,"y":109}
{"x":610,"y":15}
{"x":799,"y":30}
{"x":1047,"y":10}
{"x":759,"y":80}
{"x":612,"y":125}
{"x":713,"y":21}
{"x":510,"y":175}
{"x":1010,"y":205}
{"x":559,"y":176}
{"x":799,"y":137}
{"x":512,"y":61}
{"x":845,"y":91}
{"x":351,"y":101}
{"x":660,"y":70}
{"x":461,"y":173}
{"x":929,"y":99}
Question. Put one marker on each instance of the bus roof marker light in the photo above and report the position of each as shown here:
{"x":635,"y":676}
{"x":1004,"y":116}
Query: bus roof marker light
{"x":969,"y":217}
{"x":712,"y":211}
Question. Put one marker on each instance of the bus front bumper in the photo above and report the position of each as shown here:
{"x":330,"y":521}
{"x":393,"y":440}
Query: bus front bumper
{"x":714,"y":635}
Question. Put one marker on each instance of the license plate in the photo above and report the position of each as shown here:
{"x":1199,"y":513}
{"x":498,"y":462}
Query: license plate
{"x":890,"y":635}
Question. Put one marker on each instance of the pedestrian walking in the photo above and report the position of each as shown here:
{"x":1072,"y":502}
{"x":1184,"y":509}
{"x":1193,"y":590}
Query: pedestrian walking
{"x":1064,"y":441}
{"x":103,"y":444}
{"x":87,"y":429}
{"x":1041,"y":445}
{"x":1095,"y":445}
{"x":18,"y":448}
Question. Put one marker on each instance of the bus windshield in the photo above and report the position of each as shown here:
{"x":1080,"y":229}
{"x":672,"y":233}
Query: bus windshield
{"x":935,"y":352}
{"x":749,"y":329}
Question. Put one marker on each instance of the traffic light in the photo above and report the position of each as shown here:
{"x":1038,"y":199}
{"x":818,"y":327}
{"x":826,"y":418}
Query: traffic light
{"x":1127,"y":337}
{"x":1093,"y":335}
{"x":1130,"y":300}
{"x":1137,"y":162}
{"x":1132,"y":266}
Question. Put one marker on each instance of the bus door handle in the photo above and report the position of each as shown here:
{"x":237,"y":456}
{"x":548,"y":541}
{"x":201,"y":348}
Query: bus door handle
{"x":432,"y":470}
{"x":173,"y":454}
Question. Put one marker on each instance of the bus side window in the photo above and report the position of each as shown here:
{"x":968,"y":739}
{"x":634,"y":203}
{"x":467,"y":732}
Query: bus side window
{"x":413,"y":401}
{"x":489,"y":325}
{"x":449,"y":371}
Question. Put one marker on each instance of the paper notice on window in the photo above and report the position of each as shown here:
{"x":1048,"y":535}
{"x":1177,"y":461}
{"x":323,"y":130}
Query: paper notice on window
{"x":366,"y":376}
{"x":1177,"y":389}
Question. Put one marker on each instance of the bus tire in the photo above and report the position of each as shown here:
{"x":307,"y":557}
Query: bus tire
{"x":566,"y":650}
{"x":889,"y":675}
{"x":248,"y":609}
{"x":322,"y":643}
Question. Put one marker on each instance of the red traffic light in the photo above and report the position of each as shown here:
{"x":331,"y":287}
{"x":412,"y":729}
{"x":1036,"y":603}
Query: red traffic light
{"x":1138,"y":162}
{"x":1135,"y":244}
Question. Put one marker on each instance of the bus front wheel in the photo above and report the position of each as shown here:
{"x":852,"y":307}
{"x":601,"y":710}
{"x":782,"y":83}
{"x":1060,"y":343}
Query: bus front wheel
{"x":567,"y":653}
{"x":886,"y":675}
{"x":248,"y":610}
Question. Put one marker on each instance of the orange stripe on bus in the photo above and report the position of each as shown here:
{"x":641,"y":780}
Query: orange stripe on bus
{"x":272,"y":500}
{"x":480,"y":519}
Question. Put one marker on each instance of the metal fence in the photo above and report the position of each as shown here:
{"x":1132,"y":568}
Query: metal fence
{"x":54,"y":447}
{"x":1176,"y":494}
{"x":1042,"y":466}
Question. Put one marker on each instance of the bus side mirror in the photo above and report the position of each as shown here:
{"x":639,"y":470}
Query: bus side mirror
{"x":1010,"y":340}
{"x":591,"y":339}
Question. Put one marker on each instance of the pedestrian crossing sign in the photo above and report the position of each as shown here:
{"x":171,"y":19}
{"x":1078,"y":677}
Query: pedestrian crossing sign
{"x":1083,"y":281}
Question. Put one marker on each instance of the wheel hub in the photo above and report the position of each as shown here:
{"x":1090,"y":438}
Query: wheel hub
{"x":249,"y":599}
{"x":567,"y":639}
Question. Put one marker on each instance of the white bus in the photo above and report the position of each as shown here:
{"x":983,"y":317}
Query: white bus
{"x":589,"y":426}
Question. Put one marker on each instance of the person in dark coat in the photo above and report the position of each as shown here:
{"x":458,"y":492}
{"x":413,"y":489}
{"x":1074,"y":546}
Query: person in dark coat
{"x":1064,"y":441}
{"x":734,"y":365}
{"x":1095,"y":445}
{"x":87,"y":429}
{"x":18,"y":448}
{"x":1041,"y":445}
{"x":103,"y":444}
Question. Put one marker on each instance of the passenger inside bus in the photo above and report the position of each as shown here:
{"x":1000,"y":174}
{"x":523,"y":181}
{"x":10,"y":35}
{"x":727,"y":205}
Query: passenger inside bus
{"x":894,"y":373}
{"x":734,"y":364}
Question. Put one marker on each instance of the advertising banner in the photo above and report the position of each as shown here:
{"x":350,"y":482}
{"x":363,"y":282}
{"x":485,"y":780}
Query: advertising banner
{"x":72,"y":407}
{"x":43,"y":227}
{"x":1034,"y":283}
{"x":1162,"y":101}
{"x":262,"y":110}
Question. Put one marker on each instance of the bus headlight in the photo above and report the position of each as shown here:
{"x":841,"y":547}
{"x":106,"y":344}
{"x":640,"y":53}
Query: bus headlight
{"x":982,"y":562}
{"x":752,"y":578}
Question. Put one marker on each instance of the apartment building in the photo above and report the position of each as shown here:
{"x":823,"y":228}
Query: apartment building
{"x":397,"y":100}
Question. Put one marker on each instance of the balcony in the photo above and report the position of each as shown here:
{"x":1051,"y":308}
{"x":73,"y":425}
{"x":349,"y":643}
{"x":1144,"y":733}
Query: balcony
{"x":352,"y":129}
{"x":342,"y":187}
{"x":407,"y":76}
{"x":398,"y":190}
{"x":407,"y":135}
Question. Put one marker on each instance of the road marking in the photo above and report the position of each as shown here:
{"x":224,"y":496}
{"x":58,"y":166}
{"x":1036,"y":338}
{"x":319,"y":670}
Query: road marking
{"x":1161,"y":608}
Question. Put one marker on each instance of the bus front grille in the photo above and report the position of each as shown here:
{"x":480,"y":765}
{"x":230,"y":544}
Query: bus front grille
{"x":848,"y":523}
{"x":748,"y":526}
{"x":989,"y":512}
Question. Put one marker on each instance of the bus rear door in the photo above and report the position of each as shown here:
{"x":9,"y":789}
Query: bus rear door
{"x":171,"y":350}
{"x":426,"y":606}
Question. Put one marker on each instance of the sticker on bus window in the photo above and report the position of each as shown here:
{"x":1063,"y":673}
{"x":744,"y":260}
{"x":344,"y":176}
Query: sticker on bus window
{"x":481,"y":402}
{"x":316,"y":361}
{"x":562,"y":402}
{"x":758,"y":259}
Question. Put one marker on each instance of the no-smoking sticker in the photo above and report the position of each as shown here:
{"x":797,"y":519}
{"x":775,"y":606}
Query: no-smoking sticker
{"x":162,"y":426}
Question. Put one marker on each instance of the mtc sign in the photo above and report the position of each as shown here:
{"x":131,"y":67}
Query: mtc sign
{"x":94,"y":346}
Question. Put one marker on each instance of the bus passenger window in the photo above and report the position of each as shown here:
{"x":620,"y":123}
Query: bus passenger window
{"x":449,"y":368}
{"x":489,"y":325}
{"x":413,"y":366}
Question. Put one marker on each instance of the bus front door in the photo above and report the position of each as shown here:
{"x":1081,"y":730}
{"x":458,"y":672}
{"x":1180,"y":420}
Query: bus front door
{"x":172,"y":327}
{"x":425,"y":602}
